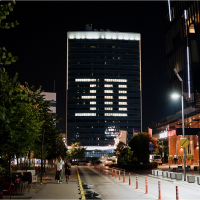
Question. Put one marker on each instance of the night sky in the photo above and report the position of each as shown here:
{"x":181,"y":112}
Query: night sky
{"x":40,"y":43}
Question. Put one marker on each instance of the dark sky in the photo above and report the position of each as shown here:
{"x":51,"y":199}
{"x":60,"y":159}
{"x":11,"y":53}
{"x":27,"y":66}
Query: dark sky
{"x":40,"y":43}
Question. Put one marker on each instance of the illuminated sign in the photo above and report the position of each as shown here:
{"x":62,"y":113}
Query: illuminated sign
{"x":167,"y":134}
{"x":163,"y":135}
{"x":171,"y":133}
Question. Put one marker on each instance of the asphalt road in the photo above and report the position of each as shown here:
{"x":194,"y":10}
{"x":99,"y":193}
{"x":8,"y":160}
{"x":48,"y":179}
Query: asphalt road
{"x":109,"y":187}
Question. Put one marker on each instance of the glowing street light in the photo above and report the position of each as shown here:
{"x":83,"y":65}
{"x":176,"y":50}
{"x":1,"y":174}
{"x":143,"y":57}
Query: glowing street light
{"x":175,"y":96}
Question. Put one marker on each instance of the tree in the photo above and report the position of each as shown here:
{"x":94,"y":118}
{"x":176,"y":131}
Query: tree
{"x":6,"y":58}
{"x":140,"y":146}
{"x":76,"y":151}
{"x":122,"y":152}
{"x":19,"y":117}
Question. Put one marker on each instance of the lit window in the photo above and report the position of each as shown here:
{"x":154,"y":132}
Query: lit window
{"x":88,"y":97}
{"x":107,"y":85}
{"x":122,"y":97}
{"x":116,"y":114}
{"x":92,"y":85}
{"x":122,"y":108}
{"x":108,"y":108}
{"x":85,"y":114}
{"x":92,"y":108}
{"x":122,"y":86}
{"x":122,"y":103}
{"x":122,"y":91}
{"x":85,"y":80}
{"x":92,"y":91}
{"x":108,"y":97}
{"x":115,"y":80}
{"x":93,"y":102}
{"x":108,"y":91}
{"x":108,"y":102}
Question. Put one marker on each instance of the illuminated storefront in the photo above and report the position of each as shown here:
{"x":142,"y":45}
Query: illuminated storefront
{"x":173,"y":133}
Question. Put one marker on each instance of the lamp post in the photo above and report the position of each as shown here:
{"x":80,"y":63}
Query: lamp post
{"x":183,"y":129}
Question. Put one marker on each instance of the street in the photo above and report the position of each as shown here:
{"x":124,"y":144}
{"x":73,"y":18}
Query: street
{"x":109,"y":187}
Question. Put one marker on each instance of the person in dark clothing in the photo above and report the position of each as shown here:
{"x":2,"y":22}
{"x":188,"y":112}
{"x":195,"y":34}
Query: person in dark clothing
{"x":70,"y":160}
{"x":67,"y":170}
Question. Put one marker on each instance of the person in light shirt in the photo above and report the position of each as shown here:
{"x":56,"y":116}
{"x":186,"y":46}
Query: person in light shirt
{"x":59,"y":171}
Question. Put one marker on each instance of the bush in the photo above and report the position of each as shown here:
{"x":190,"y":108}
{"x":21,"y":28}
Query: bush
{"x":170,"y":157}
{"x":2,"y":171}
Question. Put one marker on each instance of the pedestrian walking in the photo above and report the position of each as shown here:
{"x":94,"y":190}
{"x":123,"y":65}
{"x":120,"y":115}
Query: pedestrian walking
{"x":59,"y":171}
{"x":70,"y":160}
{"x":67,"y":170}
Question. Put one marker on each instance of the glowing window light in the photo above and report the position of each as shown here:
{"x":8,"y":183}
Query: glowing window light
{"x":85,"y":80}
{"x":122,"y":97}
{"x":108,"y":108}
{"x":108,"y":102}
{"x":88,"y":97}
{"x":92,"y":85}
{"x":122,"y":103}
{"x":92,"y":102}
{"x":122,"y":86}
{"x":116,"y":114}
{"x":108,"y":85}
{"x":85,"y":114}
{"x":122,"y":108}
{"x":122,"y":91}
{"x":108,"y":97}
{"x":115,"y":80}
{"x":92,"y":108}
{"x":92,"y":91}
{"x":108,"y":91}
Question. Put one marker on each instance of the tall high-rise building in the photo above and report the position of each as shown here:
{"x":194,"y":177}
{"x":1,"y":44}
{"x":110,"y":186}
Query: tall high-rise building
{"x":182,"y":29}
{"x":103,"y":86}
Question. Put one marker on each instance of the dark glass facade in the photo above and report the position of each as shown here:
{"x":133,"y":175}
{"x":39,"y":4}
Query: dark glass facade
{"x":182,"y":30}
{"x":103,"y":90}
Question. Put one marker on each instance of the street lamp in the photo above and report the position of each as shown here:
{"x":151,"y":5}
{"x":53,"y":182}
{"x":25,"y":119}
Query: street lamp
{"x":183,"y":130}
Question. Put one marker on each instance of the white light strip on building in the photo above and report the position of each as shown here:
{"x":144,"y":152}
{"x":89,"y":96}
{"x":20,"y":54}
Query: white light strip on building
{"x":188,"y":67}
{"x":170,"y":19}
{"x":188,"y":61}
{"x":85,"y":114}
{"x":103,"y":35}
{"x":116,"y":114}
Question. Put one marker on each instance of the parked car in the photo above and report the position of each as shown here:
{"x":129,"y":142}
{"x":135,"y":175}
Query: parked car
{"x":157,"y":159}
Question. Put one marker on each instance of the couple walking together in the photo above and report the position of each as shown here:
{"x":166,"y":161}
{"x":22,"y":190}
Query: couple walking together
{"x":59,"y":171}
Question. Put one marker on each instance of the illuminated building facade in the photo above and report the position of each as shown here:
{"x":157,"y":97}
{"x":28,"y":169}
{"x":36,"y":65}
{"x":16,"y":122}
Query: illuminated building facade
{"x":103,"y":86}
{"x":182,"y":29}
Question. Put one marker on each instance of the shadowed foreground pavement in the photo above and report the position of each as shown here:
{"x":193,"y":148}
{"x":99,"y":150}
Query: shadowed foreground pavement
{"x":54,"y":190}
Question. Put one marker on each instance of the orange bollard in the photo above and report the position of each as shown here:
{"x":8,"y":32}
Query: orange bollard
{"x":112,"y":172}
{"x":136,"y":181}
{"x":119,"y":174}
{"x":146,"y":183}
{"x":124,"y":176}
{"x":129,"y":178}
{"x":177,"y":196}
{"x":115,"y":174}
{"x":159,"y":190}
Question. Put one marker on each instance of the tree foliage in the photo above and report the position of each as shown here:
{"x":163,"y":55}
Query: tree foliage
{"x":6,"y":58}
{"x":76,"y":151}
{"x":139,"y":144}
{"x":19,"y":117}
{"x":122,"y":152}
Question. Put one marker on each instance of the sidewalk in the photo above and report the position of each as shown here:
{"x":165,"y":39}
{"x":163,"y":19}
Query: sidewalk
{"x":53,"y":190}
